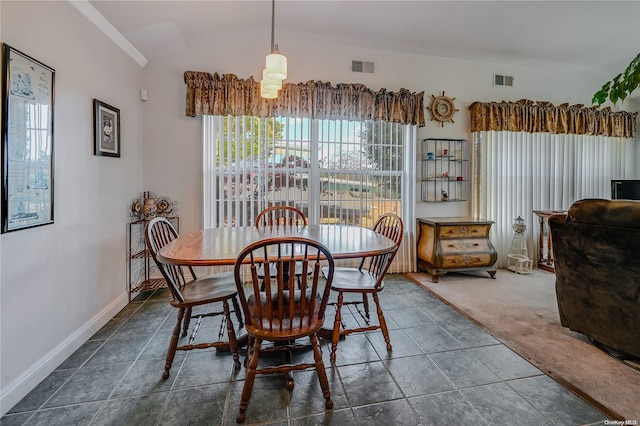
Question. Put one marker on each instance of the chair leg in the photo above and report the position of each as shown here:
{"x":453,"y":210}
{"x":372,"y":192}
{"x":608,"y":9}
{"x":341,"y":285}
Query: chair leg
{"x":320,"y":370}
{"x":237,"y":310}
{"x":288,"y":376}
{"x":248,"y":382}
{"x":336,"y":327}
{"x":171,"y":352}
{"x":233,"y":344}
{"x":187,"y":321}
{"x":365,"y":303}
{"x":383,"y":323}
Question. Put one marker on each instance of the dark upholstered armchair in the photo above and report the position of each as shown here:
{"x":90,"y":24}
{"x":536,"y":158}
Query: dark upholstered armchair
{"x":596,"y":246}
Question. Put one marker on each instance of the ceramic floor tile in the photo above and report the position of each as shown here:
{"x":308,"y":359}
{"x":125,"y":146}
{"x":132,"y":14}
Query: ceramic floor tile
{"x":138,"y":326}
{"x":109,"y":328}
{"x":409,"y":317}
{"x":402,"y":345}
{"x":81,"y":355}
{"x":397,"y":413}
{"x":463,"y":369}
{"x":355,"y":348}
{"x":368,"y":383}
{"x":501,"y":405}
{"x":80,"y":414}
{"x":329,"y":417}
{"x":145,"y":376}
{"x":119,"y":350}
{"x":557,"y":403}
{"x":204,"y":368}
{"x":448,"y":408}
{"x":505,"y":363}
{"x":128,"y":310}
{"x":199,"y":406}
{"x":16,"y":419}
{"x":89,"y":384}
{"x":433,"y":339}
{"x":418,"y":375}
{"x":268,"y":403}
{"x":306,"y":397}
{"x":443,"y":369}
{"x":38,"y":396}
{"x":137,"y":410}
{"x":468,"y":334}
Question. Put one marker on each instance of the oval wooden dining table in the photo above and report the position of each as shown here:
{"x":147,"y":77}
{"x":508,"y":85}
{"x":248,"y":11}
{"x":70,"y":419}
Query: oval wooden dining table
{"x":221,"y":246}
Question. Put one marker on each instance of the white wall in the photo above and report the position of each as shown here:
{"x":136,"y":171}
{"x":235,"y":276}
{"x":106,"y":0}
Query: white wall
{"x":172,"y":143}
{"x":61,"y":282}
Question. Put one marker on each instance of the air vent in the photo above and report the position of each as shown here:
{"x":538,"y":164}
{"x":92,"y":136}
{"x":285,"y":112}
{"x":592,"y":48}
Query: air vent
{"x":362,"y":66}
{"x":502,"y":80}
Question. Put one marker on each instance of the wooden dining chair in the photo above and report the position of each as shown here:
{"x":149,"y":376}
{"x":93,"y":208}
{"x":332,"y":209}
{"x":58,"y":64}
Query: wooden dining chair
{"x":279,"y":315}
{"x":188,"y":291}
{"x":367,"y":279}
{"x":280,"y":215}
{"x":276,"y":216}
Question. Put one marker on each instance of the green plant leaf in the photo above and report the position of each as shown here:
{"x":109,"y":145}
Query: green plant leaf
{"x":621,"y":85}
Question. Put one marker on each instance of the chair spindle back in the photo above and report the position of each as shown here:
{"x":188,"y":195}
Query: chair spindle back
{"x":276,"y":312}
{"x":160,"y":232}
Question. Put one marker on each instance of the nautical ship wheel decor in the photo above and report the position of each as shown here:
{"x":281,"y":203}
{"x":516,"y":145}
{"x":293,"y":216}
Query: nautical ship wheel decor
{"x":442,"y":109}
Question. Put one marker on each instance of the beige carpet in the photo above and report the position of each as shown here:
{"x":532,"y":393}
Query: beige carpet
{"x":521,"y":312}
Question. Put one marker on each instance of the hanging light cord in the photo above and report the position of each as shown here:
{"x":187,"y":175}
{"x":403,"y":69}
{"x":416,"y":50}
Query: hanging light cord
{"x":274,"y":48}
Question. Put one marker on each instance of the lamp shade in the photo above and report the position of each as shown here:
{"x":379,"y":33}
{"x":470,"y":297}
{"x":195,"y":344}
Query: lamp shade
{"x":267,"y":93}
{"x":276,"y":66}
{"x":269,"y":83}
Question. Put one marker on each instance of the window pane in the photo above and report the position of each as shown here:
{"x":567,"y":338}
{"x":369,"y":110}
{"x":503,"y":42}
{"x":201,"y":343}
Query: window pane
{"x":356,"y":168}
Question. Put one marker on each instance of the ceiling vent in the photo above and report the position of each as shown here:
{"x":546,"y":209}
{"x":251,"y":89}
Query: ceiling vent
{"x":362,"y":66}
{"x":502,"y":80}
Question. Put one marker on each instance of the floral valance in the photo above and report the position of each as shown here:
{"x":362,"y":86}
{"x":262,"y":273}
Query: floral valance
{"x":529,"y":116}
{"x":227,"y":94}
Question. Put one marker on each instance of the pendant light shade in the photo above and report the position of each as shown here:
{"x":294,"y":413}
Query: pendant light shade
{"x":276,"y":65}
{"x":269,"y":83}
{"x":266,"y":92}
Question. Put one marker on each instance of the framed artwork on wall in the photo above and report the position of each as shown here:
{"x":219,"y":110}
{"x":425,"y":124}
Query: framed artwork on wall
{"x":27,"y":141}
{"x":106,"y":129}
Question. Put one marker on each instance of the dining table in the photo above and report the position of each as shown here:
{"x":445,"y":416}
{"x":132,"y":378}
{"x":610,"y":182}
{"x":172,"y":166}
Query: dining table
{"x":221,"y":246}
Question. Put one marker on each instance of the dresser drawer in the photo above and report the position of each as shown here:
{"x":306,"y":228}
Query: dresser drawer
{"x":464,"y":246}
{"x":464,"y":231}
{"x":466,"y":260}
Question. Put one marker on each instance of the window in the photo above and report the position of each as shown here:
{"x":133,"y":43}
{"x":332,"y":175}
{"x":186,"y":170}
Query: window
{"x":346,"y":172}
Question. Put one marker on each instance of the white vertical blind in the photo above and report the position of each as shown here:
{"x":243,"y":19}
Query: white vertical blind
{"x":518,"y":172}
{"x":334,"y":171}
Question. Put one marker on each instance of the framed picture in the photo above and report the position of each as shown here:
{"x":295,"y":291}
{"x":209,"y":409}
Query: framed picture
{"x":106,"y":129}
{"x":27,"y":141}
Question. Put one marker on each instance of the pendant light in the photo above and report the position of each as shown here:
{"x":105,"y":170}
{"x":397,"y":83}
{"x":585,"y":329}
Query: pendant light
{"x":276,"y":65}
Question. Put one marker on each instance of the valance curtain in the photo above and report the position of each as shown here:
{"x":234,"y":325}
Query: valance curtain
{"x":227,"y":94}
{"x":533,"y":117}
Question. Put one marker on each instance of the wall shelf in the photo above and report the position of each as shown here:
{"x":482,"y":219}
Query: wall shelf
{"x":445,"y":170}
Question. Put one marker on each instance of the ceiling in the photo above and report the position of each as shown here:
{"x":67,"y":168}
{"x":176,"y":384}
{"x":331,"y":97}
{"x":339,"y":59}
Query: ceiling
{"x":600,"y":34}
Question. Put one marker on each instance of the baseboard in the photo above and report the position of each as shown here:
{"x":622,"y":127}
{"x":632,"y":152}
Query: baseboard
{"x":27,"y":381}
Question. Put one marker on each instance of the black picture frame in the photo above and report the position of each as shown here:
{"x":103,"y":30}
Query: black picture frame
{"x":106,"y":129}
{"x":27,"y":141}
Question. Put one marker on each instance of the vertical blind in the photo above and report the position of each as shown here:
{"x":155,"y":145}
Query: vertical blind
{"x":335,"y":171}
{"x":516,"y":173}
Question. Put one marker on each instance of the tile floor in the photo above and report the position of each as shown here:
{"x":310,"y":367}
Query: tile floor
{"x":443,"y":370}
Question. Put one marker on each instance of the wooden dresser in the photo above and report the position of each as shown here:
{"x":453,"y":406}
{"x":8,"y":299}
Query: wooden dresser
{"x":447,"y":244}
